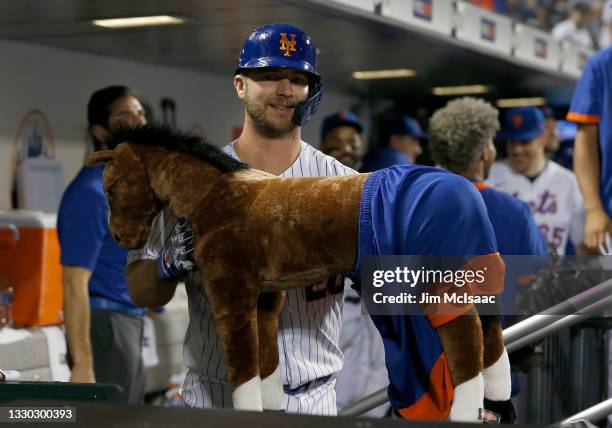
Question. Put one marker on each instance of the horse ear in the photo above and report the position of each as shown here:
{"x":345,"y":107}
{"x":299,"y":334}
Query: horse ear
{"x":101,"y":157}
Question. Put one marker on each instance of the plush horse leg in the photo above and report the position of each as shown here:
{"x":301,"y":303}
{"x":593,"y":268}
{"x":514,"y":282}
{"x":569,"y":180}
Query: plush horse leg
{"x":234,"y":307}
{"x":496,"y":373}
{"x":269,"y":306}
{"x":462,"y":342}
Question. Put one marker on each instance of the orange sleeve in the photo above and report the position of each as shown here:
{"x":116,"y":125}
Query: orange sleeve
{"x":583,"y":118}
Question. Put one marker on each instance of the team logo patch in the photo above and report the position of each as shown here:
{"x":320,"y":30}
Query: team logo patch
{"x":517,"y":120}
{"x":288,"y":44}
{"x":488,"y":29}
{"x":541,"y":48}
{"x":423,"y":9}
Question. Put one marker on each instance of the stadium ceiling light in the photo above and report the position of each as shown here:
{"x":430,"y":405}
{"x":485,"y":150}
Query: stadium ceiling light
{"x":384,"y":74}
{"x":460,"y":90}
{"x":138,"y":21}
{"x":520,"y":102}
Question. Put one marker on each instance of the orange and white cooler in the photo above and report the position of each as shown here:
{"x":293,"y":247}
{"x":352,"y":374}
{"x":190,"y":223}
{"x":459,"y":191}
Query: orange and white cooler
{"x":32,"y":265}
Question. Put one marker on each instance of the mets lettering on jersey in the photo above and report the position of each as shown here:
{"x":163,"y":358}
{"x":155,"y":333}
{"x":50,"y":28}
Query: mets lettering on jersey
{"x":554,"y":198}
{"x":592,"y":101}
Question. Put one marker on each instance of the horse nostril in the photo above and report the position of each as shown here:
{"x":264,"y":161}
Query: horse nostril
{"x":117,"y":238}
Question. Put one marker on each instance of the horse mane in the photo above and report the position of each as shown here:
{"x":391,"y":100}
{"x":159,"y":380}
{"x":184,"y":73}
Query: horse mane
{"x":164,"y":136}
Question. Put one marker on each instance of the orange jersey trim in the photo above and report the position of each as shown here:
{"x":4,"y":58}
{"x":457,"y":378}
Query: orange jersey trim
{"x":441,"y":313}
{"x":583,"y":118}
{"x":481,"y":185}
{"x":436,"y":403}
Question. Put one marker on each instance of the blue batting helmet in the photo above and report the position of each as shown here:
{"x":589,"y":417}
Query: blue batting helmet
{"x":285,"y":46}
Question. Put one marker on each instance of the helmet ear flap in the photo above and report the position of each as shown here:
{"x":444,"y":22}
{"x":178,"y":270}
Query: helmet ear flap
{"x":304,"y":110}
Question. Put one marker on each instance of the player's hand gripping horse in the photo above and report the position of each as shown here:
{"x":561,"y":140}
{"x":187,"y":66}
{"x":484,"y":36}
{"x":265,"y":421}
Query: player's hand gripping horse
{"x":257,"y":235}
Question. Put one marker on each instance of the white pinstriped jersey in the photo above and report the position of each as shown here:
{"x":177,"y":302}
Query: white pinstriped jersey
{"x":309,"y":326}
{"x":554,"y":198}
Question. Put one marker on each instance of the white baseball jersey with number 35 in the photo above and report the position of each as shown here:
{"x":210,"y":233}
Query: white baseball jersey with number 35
{"x":554,"y":198}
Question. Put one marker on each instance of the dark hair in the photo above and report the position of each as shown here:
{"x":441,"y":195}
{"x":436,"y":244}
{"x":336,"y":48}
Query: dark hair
{"x":98,"y":108}
{"x":155,"y":134}
{"x":582,"y":6}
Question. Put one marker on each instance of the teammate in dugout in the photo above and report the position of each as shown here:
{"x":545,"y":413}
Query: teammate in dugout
{"x":103,"y":325}
{"x":364,"y":370}
{"x":400,"y":144}
{"x":461,"y":141}
{"x":341,"y":138}
{"x":278,"y":81}
{"x":590,"y":109}
{"x":550,"y":190}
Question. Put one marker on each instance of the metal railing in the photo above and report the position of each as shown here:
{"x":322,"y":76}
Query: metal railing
{"x":592,"y":414}
{"x":582,"y":306}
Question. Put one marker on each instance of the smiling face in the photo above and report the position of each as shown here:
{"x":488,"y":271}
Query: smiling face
{"x":270,"y":97}
{"x":526,"y":156}
{"x":131,"y":201}
{"x":343,"y":143}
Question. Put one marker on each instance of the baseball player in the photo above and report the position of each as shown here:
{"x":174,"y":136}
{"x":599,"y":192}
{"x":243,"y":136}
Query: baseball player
{"x":469,"y":151}
{"x":278,"y":81}
{"x":593,"y":149}
{"x":364,"y":370}
{"x":341,"y":138}
{"x":400,"y":144}
{"x":550,"y":190}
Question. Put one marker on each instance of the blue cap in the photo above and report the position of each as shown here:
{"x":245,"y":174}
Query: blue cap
{"x":405,"y":125}
{"x":522,"y":124}
{"x":279,"y":46}
{"x":567,"y":130}
{"x":340,"y":118}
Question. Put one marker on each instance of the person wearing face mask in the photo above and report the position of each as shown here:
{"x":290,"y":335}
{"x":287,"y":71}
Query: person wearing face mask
{"x":341,"y":138}
{"x":103,"y":325}
{"x":550,"y":190}
{"x":400,"y":144}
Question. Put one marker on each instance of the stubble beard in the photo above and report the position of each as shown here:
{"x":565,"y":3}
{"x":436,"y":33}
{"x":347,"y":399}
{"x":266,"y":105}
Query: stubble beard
{"x":257,"y":113}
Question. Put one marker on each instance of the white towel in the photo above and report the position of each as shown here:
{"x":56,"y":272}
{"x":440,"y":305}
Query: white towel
{"x":56,"y":345}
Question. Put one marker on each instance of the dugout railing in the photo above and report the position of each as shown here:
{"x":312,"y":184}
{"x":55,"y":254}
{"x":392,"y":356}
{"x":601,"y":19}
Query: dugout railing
{"x":580,"y":308}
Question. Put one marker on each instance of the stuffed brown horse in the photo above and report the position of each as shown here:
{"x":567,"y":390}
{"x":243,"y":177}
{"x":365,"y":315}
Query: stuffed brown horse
{"x":257,"y":235}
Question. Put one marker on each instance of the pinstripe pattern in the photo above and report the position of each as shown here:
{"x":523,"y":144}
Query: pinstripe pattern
{"x":309,"y":332}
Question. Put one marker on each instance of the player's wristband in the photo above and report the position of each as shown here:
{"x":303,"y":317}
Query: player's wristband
{"x":166,"y":271}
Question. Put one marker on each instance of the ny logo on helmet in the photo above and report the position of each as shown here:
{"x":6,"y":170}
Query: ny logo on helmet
{"x":287,"y":45}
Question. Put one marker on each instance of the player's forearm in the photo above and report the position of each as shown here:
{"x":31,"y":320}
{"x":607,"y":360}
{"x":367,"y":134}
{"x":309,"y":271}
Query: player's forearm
{"x":144,"y":285}
{"x":586,"y":166}
{"x":77,"y":315}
